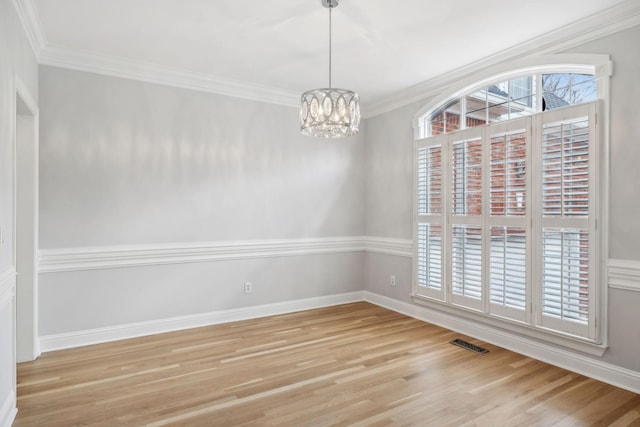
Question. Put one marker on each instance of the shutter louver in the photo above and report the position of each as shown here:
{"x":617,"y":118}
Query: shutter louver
{"x":467,"y":177}
{"x":565,"y":271}
{"x":466,"y":259}
{"x":508,"y":174}
{"x":565,"y":163}
{"x":430,"y":256}
{"x":508,"y":267}
{"x":430,"y":180}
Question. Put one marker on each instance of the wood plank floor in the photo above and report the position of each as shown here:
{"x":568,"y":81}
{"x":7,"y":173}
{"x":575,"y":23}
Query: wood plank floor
{"x":355,"y":364}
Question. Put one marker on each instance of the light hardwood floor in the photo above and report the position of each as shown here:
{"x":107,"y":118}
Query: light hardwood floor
{"x":355,"y":364}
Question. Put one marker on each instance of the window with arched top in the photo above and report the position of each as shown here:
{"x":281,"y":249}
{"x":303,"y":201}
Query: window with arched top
{"x":510,"y":195}
{"x":512,"y":98}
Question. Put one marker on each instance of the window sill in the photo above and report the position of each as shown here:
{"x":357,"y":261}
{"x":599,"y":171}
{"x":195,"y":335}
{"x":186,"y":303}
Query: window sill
{"x":518,"y":330}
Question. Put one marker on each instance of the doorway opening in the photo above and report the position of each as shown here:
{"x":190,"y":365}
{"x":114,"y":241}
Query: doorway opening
{"x":26,"y":224}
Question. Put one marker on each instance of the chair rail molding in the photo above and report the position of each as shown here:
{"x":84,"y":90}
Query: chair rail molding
{"x":389,"y":246}
{"x":624,"y":274}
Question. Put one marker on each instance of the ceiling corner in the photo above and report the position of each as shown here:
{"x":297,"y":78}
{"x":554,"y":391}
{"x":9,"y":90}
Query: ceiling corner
{"x":31,"y":24}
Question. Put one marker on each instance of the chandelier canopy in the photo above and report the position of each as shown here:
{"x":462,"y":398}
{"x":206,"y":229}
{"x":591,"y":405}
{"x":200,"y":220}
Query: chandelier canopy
{"x":329,"y":112}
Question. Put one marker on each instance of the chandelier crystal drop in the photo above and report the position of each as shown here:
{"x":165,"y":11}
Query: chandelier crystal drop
{"x":329,"y":112}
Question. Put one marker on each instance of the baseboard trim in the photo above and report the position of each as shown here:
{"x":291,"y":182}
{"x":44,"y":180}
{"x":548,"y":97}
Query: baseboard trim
{"x":133,"y":330}
{"x":8,"y":410}
{"x":611,"y":374}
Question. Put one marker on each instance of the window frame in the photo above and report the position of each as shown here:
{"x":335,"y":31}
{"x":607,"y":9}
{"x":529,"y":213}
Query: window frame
{"x":600,"y":66}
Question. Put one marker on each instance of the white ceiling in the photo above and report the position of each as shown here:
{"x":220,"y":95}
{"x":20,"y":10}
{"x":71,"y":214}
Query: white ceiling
{"x":380,"y":47}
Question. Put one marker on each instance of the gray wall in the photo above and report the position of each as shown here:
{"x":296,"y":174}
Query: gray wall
{"x":126,"y":163}
{"x":389,"y":191}
{"x":16,"y":58}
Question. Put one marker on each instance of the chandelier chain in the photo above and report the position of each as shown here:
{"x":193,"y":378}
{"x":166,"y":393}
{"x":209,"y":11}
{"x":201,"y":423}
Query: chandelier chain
{"x":330,"y":7}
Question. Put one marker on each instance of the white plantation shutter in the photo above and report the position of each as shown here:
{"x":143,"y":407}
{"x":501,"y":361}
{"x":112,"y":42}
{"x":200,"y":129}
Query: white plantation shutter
{"x":506,"y":220}
{"x":508,"y":173}
{"x":466,"y":265}
{"x":567,"y":300}
{"x":430,"y":180}
{"x":465,"y":220}
{"x":509,"y":292}
{"x":466,"y":182}
{"x":565,"y":168}
{"x":565,"y":274}
{"x":430,"y":256}
{"x":509,"y":154}
{"x":429,"y":238}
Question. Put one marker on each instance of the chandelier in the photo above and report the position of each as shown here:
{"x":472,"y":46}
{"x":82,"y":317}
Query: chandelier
{"x":329,"y":112}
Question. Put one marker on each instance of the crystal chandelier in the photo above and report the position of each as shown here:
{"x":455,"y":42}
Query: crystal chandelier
{"x":329,"y":112}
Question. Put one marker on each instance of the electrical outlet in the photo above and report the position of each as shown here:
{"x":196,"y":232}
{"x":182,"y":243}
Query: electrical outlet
{"x":248,"y":287}
{"x":392,"y":280}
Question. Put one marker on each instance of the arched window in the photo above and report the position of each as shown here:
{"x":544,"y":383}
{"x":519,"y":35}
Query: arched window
{"x":509,"y":99}
{"x":509,"y":192}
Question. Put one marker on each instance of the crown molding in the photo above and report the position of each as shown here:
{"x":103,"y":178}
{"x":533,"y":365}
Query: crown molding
{"x":63,"y":57}
{"x":31,"y":24}
{"x":615,"y":19}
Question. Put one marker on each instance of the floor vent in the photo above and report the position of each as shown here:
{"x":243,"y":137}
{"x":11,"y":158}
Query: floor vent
{"x":469,"y":346}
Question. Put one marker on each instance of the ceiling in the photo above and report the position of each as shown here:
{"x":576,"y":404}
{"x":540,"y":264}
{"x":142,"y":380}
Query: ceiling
{"x":380,"y":47}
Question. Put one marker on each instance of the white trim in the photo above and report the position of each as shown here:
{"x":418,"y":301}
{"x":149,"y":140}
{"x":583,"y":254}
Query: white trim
{"x":92,"y":258}
{"x":31,"y":24}
{"x":91,"y":62}
{"x":8,"y":410}
{"x":624,"y":274}
{"x":584,"y":365}
{"x":25,"y":230}
{"x":7,"y":297}
{"x":114,"y":333}
{"x":389,"y":246}
{"x":7,"y":286}
{"x":615,"y":19}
